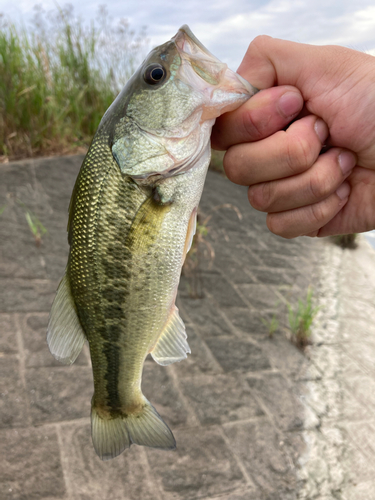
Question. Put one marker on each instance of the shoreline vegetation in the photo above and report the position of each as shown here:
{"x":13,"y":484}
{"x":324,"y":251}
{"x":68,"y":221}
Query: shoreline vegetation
{"x":58,"y":77}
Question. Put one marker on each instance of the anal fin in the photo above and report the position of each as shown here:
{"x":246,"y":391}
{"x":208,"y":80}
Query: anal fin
{"x":171,"y":345}
{"x":65,"y":336}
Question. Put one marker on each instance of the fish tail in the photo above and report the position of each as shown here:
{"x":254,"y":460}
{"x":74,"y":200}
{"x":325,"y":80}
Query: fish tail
{"x":111,"y":436}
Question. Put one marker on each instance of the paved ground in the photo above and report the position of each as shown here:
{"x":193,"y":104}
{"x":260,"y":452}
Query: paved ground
{"x":254,"y":418}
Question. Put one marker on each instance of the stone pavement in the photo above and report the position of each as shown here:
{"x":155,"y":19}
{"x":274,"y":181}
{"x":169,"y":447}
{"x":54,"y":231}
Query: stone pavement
{"x":254,"y":418}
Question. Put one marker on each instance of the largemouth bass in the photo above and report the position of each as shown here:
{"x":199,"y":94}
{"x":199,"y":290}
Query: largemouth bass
{"x":131,"y":222}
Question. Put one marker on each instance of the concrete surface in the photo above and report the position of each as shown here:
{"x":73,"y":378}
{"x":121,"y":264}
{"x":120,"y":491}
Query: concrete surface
{"x":254,"y":418}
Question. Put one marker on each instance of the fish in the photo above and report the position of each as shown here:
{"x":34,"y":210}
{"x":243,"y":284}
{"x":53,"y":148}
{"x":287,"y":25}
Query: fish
{"x":132,"y":218}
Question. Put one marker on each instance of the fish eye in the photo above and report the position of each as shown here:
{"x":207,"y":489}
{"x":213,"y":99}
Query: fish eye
{"x":155,"y":73}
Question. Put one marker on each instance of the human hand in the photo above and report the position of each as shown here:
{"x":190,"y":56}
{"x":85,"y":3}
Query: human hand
{"x":303,"y":192}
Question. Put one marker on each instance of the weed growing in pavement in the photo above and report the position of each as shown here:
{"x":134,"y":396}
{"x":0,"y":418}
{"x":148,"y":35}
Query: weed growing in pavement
{"x":271,"y":324}
{"x":301,"y":318}
{"x":346,"y":240}
{"x":36,"y":227}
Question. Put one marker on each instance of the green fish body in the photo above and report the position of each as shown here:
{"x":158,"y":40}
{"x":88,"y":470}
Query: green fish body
{"x":131,"y":222}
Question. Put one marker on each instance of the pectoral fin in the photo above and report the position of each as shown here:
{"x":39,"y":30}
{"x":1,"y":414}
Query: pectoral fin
{"x":65,"y":336}
{"x":171,"y":345}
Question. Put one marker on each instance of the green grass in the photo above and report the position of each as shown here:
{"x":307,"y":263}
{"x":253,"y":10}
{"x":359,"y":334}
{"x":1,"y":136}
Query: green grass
{"x":271,"y":324}
{"x":346,"y":240}
{"x":301,"y":318}
{"x":58,"y":79}
{"x":36,"y":227}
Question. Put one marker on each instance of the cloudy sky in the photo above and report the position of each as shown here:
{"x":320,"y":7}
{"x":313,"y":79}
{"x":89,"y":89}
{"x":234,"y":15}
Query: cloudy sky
{"x":226,"y":27}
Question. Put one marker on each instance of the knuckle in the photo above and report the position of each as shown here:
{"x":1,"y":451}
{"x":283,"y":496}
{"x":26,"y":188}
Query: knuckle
{"x":276,"y":226}
{"x":253,"y":129}
{"x":261,"y":196}
{"x":230,"y":166}
{"x":259,"y":42}
{"x":319,"y":188}
{"x":318,"y":213}
{"x":272,"y":225}
{"x":299,"y":155}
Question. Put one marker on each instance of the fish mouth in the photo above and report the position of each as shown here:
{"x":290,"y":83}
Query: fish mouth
{"x":206,"y":88}
{"x":185,"y":37}
{"x":222,"y":87}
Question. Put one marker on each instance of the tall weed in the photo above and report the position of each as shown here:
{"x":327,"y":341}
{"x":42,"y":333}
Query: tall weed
{"x":58,"y":79}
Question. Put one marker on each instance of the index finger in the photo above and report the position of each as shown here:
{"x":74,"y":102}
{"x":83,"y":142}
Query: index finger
{"x":261,"y":116}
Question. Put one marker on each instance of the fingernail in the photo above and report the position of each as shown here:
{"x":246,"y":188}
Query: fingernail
{"x":321,"y":130}
{"x":343,"y":191}
{"x":290,"y":104}
{"x":347,"y":162}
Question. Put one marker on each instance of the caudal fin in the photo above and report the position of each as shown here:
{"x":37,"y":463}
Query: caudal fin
{"x":112,"y":436}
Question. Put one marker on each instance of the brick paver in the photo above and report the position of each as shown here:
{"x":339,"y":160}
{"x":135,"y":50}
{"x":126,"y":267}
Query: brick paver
{"x":254,"y":418}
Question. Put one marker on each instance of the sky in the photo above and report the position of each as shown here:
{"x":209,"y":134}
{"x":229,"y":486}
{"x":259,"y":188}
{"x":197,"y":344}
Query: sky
{"x":226,"y":27}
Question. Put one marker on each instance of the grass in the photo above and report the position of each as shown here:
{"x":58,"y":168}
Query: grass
{"x":301,"y":318}
{"x":58,"y":79}
{"x":346,"y":240}
{"x":271,"y":324}
{"x":36,"y":227}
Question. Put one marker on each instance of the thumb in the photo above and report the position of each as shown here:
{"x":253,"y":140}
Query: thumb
{"x":314,"y":70}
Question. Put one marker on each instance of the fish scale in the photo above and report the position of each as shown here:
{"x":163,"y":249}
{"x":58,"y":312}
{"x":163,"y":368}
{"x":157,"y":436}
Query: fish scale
{"x":132,"y":219}
{"x":108,"y":262}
